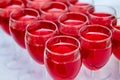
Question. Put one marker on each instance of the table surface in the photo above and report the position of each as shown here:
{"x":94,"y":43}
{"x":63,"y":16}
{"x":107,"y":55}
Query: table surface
{"x":12,"y":74}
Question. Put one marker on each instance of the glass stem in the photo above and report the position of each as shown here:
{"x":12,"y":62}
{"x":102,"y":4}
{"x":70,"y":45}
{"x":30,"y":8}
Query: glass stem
{"x":119,"y":68}
{"x":92,"y":75}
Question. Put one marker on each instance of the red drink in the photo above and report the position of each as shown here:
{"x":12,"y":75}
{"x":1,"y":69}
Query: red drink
{"x":80,"y":7}
{"x":116,"y":38}
{"x":35,"y":50}
{"x":70,"y":23}
{"x":36,"y":37}
{"x":95,"y":47}
{"x":71,"y":30}
{"x":102,"y":15}
{"x":5,"y":13}
{"x":51,"y":11}
{"x":60,"y":58}
{"x":92,"y":52}
{"x":100,"y":20}
{"x":18,"y":24}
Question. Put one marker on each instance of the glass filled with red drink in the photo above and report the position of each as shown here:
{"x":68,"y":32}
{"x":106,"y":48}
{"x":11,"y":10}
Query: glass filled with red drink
{"x":71,"y":22}
{"x":37,"y":33}
{"x":101,"y":14}
{"x":116,"y":38}
{"x":17,"y":25}
{"x":6,"y":8}
{"x":62,"y":57}
{"x":81,"y":6}
{"x":96,"y":47}
{"x":52,"y":10}
{"x":19,"y":21}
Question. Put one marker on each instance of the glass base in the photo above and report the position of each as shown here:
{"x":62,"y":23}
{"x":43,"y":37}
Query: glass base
{"x":109,"y":72}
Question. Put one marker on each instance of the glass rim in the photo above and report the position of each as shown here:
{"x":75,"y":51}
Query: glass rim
{"x":117,"y":25}
{"x":82,"y":14}
{"x":52,"y":2}
{"x":106,"y":6}
{"x":25,"y":9}
{"x":95,"y":25}
{"x":39,"y":21}
{"x":62,"y":36}
{"x":83,"y":3}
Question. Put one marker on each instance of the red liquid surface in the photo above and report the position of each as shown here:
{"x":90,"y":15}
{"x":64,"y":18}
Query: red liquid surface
{"x":71,"y":27}
{"x":62,"y":67}
{"x":101,"y":18}
{"x":18,"y":30}
{"x":5,"y":15}
{"x":95,"y":54}
{"x":80,"y":7}
{"x":116,"y":42}
{"x":36,"y":45}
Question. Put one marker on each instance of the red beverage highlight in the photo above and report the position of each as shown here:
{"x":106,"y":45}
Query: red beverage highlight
{"x":93,"y":51}
{"x":61,"y":67}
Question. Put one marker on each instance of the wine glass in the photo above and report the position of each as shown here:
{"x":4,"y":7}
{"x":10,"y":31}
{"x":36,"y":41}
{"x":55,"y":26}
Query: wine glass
{"x":62,"y":57}
{"x":81,"y":6}
{"x":36,"y":35}
{"x":71,"y":22}
{"x":52,"y":10}
{"x":96,"y":48}
{"x":17,"y":24}
{"x":5,"y":11}
{"x":6,"y":7}
{"x":19,"y":21}
{"x":101,"y":14}
{"x":115,"y":24}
